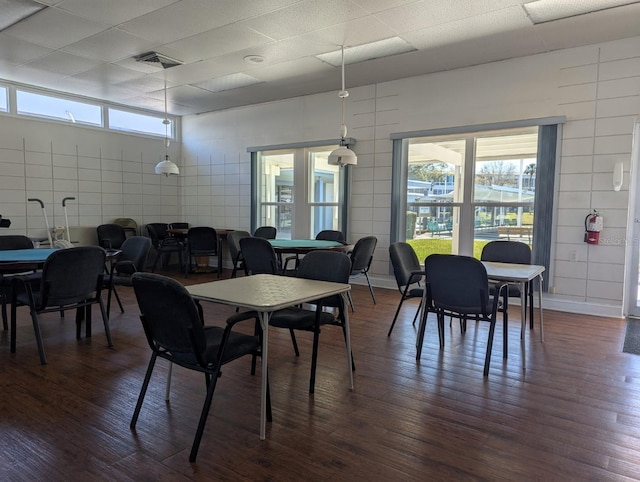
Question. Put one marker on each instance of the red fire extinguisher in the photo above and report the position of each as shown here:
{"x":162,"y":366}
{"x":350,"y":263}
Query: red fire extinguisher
{"x":592,"y":226}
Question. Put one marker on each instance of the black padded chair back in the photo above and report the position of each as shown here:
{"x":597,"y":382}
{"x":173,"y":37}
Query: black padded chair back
{"x":71,"y":275}
{"x":233,"y":241}
{"x":506,"y":252}
{"x":266,"y":232}
{"x":157,"y":233}
{"x":202,"y":240}
{"x":259,"y":256}
{"x":111,"y":236}
{"x":178,"y":225}
{"x":15,"y":241}
{"x":170,"y":317}
{"x":405,"y":263}
{"x":322,"y":265}
{"x":408,"y":273}
{"x":457,"y":283}
{"x":331,"y":235}
{"x":362,"y":254}
{"x":135,"y":251}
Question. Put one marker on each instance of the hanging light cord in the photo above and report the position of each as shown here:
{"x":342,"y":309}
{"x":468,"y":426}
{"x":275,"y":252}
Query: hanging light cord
{"x":166,"y":123}
{"x":343,"y":94}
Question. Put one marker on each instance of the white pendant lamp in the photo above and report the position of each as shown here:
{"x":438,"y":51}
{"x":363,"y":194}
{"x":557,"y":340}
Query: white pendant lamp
{"x":343,"y":156}
{"x":166,"y":166}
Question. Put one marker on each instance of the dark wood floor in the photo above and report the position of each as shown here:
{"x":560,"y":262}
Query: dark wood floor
{"x":573,"y":414}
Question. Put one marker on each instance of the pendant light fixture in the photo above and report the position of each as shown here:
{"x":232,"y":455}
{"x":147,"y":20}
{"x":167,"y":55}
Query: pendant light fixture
{"x":343,"y":156}
{"x":166,"y":166}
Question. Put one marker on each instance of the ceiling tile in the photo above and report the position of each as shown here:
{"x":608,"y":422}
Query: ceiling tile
{"x":217,"y":42}
{"x":64,"y":63}
{"x":304,"y":17}
{"x":110,"y":45}
{"x":20,"y":51}
{"x":105,"y":74}
{"x":176,"y":21}
{"x":113,"y":12}
{"x":54,"y":28}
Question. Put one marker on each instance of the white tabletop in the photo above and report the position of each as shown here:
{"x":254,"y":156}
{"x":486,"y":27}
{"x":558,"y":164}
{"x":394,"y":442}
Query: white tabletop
{"x":265,"y":292}
{"x":516,"y":273}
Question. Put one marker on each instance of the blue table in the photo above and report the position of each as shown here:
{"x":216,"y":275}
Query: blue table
{"x":34,"y":255}
{"x":302,"y":246}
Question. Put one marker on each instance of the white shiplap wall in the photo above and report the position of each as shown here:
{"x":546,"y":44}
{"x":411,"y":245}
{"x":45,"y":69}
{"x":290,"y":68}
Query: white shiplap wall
{"x":110,"y":174}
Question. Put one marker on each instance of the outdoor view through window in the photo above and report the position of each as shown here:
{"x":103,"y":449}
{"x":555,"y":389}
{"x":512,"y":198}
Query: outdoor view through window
{"x":470,"y":189}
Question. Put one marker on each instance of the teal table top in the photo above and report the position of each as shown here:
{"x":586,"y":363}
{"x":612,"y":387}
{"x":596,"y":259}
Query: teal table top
{"x":304,"y":243}
{"x":25,"y":255}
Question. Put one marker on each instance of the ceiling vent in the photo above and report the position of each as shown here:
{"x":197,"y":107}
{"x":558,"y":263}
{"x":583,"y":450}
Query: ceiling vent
{"x":158,"y":60}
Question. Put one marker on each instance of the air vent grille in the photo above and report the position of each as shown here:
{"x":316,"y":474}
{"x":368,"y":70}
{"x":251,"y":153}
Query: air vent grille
{"x":159,"y":60}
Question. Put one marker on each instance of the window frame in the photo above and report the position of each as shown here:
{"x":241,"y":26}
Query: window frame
{"x":545,"y":187}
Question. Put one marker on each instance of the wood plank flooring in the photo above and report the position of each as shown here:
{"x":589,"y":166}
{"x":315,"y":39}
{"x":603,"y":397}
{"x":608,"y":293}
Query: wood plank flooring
{"x":573,"y":414}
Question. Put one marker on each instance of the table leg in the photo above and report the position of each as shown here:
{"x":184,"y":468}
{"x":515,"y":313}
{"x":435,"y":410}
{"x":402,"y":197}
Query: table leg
{"x":264,"y":323}
{"x":219,"y":256}
{"x":523,"y":324}
{"x":345,"y":300}
{"x":540,"y":308}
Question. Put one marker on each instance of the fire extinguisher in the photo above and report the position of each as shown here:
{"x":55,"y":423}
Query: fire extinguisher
{"x":592,"y":226}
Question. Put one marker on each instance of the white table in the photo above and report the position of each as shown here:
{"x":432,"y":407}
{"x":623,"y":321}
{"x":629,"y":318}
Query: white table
{"x":521,"y":274}
{"x":266,"y":293}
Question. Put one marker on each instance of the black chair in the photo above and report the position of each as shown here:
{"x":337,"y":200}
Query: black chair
{"x":164,"y":244}
{"x":331,"y":235}
{"x":233,"y":241}
{"x":111,"y":236}
{"x":10,"y":241}
{"x":266,"y":232}
{"x":201,"y":241}
{"x":324,"y":266}
{"x":133,"y":258}
{"x":361,"y":258}
{"x":174,"y":329}
{"x":511,"y":252}
{"x":70,"y":279}
{"x":408,"y":274}
{"x":260,"y":258}
{"x":178,"y":225}
{"x":457,"y":286}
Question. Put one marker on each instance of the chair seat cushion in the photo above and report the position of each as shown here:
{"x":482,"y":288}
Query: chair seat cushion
{"x":415,"y":293}
{"x":238,"y":345}
{"x":299,"y":318}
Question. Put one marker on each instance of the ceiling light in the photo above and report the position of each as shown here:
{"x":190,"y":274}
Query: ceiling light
{"x":254,"y":59}
{"x":165,"y":166}
{"x":14,"y":11}
{"x":541,"y":11}
{"x":374,"y":50}
{"x":343,"y":156}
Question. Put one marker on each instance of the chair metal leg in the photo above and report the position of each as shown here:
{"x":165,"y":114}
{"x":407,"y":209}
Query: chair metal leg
{"x":421,"y":331}
{"x":105,"y":320}
{"x":366,"y":275}
{"x":395,"y":317}
{"x":353,"y":308}
{"x":487,"y":358}
{"x":36,"y":329}
{"x":203,"y":418}
{"x":143,"y":391}
{"x":293,"y":340}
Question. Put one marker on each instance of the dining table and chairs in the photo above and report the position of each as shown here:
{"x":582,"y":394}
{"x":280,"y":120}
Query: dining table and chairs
{"x":70,"y":279}
{"x":266,"y":294}
{"x":456,"y":287}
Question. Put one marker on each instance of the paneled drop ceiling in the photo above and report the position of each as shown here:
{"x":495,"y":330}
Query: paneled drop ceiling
{"x":240,"y":52}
